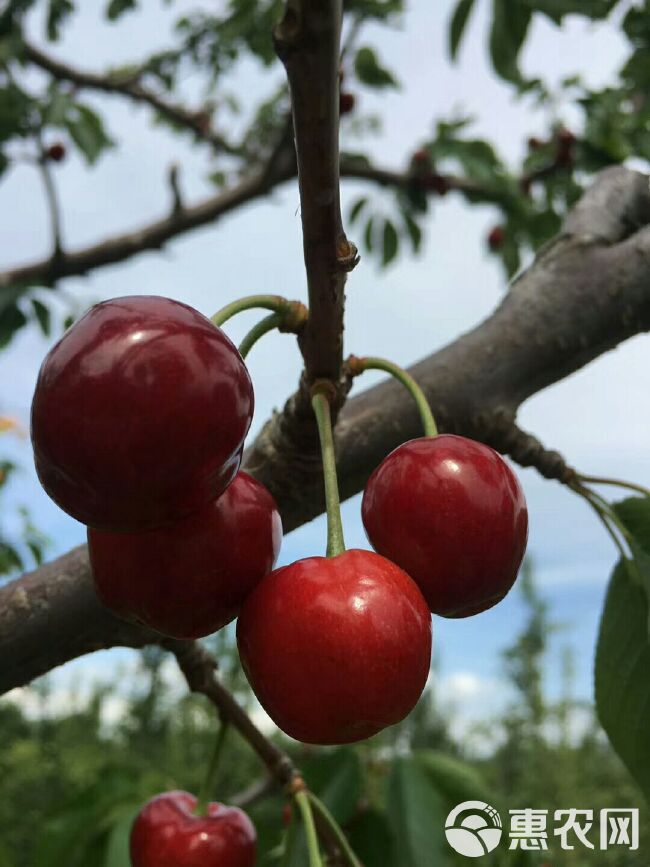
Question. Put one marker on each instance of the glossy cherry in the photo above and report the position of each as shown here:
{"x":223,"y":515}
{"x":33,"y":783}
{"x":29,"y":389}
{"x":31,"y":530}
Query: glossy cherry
{"x":140,"y":414}
{"x":167,"y":833}
{"x":191,"y":578}
{"x":338,"y":648}
{"x":451,"y":512}
{"x":56,"y":152}
{"x":347,"y":102}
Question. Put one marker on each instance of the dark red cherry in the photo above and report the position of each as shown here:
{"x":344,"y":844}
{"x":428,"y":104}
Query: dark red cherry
{"x":191,"y":578}
{"x":140,"y":414}
{"x":336,"y":649}
{"x":347,"y":102}
{"x":167,"y":833}
{"x":450,"y":512}
{"x":496,"y":238}
{"x":56,"y":152}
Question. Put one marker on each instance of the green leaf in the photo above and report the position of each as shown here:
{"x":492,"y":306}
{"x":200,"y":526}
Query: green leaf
{"x":455,"y":780}
{"x":356,"y":209}
{"x":57,"y":12}
{"x":622,"y":675}
{"x":116,"y":8}
{"x":370,"y":72}
{"x":12,"y":319}
{"x":414,"y":231}
{"x":87,"y":131}
{"x":369,"y":235}
{"x":43,"y":316}
{"x":371,"y":840}
{"x":557,"y":9}
{"x":336,"y":778}
{"x":390,"y":243}
{"x":458,"y":24}
{"x":510,"y":23}
{"x":416,"y":814}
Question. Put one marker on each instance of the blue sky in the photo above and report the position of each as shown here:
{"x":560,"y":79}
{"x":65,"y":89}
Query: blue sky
{"x":598,"y":418}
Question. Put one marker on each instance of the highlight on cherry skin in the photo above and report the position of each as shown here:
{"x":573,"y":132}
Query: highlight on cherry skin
{"x":189,"y":579}
{"x":139,"y":414}
{"x":452,"y":514}
{"x":168,"y":832}
{"x":336,"y":649}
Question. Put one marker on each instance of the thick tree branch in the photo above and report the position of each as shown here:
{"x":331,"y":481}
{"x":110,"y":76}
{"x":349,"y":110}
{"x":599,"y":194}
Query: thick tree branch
{"x":128,"y":86}
{"x":587,"y":292}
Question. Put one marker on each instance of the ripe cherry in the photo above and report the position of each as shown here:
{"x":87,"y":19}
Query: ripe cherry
{"x":347,"y":101}
{"x":421,"y":158}
{"x":337,"y":648}
{"x":437,"y":183}
{"x":191,"y":578}
{"x":496,"y":238}
{"x":56,"y":152}
{"x":564,"y":156}
{"x":451,"y":512}
{"x":535,"y":144}
{"x":167,"y":833}
{"x":139,"y":414}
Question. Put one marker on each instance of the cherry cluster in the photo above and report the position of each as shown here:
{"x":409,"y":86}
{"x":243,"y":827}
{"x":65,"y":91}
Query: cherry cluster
{"x":139,"y":420}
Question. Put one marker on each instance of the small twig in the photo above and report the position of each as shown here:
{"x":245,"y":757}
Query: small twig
{"x":196,"y":121}
{"x":199,"y":669}
{"x":177,"y":197}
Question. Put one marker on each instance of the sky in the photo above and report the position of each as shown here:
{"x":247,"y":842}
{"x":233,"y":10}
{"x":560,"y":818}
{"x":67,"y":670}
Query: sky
{"x":598,"y":417}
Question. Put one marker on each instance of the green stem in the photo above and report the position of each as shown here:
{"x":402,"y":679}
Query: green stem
{"x":276,"y":303}
{"x":342,"y":841}
{"x":619,"y":483}
{"x":304,"y":806}
{"x":401,"y":375}
{"x":289,"y":842}
{"x":209,"y":783}
{"x":335,"y":539}
{"x":274,"y":320}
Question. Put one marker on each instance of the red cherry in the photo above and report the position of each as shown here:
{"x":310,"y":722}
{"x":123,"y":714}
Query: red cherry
{"x":496,"y":238}
{"x":535,"y":144}
{"x":56,"y":152}
{"x":139,"y":414}
{"x":565,"y":137}
{"x":287,"y":815}
{"x":166,"y":833}
{"x":451,"y":512}
{"x":438,"y":183}
{"x":338,"y":648}
{"x":421,"y":157}
{"x":347,"y":102}
{"x":191,"y":578}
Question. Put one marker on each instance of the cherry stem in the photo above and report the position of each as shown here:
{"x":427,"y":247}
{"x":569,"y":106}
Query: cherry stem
{"x":335,"y":538}
{"x":358,"y":366}
{"x":346,"y":850}
{"x":276,"y":303}
{"x":274,"y":320}
{"x":289,"y":841}
{"x":613,"y":525}
{"x":304,"y":805}
{"x":209,"y":783}
{"x":619,"y":483}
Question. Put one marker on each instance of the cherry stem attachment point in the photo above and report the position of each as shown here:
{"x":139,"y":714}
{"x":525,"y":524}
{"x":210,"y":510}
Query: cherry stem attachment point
{"x":294,"y":313}
{"x":269,"y":323}
{"x":618,"y":483}
{"x":321,"y":407}
{"x":357,"y":366}
{"x":341,"y":840}
{"x":304,"y":805}
{"x":209,"y":782}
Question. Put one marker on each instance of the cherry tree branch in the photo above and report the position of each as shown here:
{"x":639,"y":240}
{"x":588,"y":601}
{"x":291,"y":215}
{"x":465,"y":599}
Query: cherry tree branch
{"x":307,"y":41}
{"x":130,"y":87}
